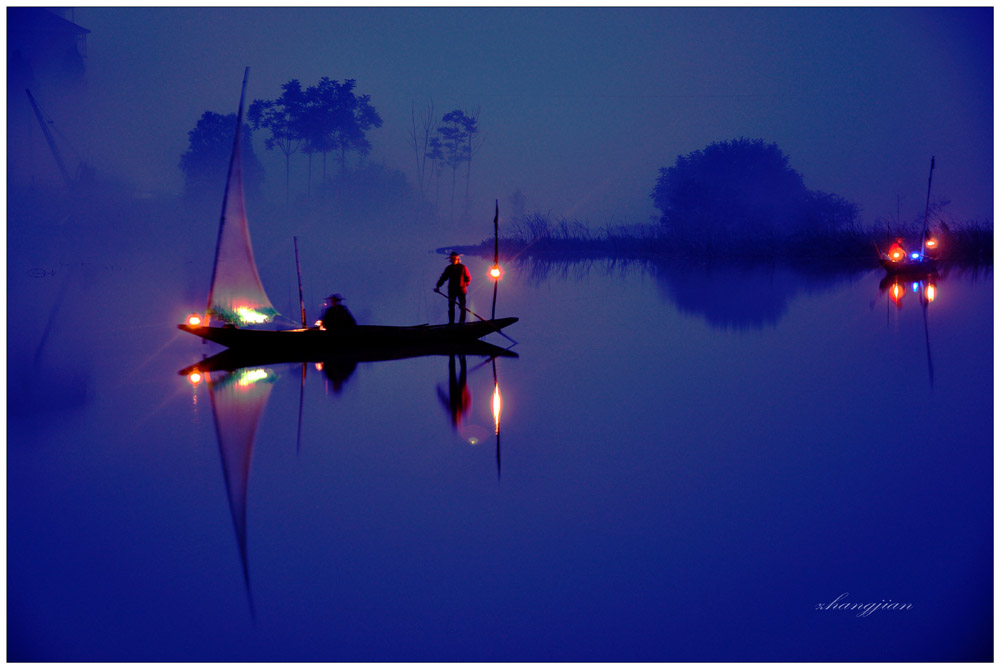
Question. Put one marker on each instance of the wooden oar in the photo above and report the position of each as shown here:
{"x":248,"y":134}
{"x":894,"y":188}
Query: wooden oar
{"x":438,"y":291}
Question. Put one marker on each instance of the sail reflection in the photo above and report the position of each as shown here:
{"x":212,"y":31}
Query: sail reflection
{"x":238,"y":400}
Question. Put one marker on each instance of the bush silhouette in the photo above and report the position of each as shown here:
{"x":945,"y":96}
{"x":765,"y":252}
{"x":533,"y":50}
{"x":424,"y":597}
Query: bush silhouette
{"x":742,"y":191}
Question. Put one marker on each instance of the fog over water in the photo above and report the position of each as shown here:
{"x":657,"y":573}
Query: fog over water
{"x":578,"y":107}
{"x":692,"y":460}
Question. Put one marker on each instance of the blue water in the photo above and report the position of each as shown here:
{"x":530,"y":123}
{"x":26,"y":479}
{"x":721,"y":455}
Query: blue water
{"x":691,"y":461}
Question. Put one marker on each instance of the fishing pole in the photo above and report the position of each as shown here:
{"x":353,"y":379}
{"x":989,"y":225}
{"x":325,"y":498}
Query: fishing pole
{"x":474,"y":314}
{"x":927,"y":208}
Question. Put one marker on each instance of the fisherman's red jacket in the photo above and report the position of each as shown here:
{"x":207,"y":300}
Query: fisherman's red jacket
{"x":458,"y":278}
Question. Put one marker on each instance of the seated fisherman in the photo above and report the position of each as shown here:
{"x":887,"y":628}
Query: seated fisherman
{"x":337,"y":315}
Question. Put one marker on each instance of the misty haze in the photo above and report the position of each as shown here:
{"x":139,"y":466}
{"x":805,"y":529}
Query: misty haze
{"x":722,"y":389}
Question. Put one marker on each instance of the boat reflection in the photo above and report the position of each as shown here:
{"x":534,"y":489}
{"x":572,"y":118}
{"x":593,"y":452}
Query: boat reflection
{"x":339,"y":366}
{"x":925,"y":287}
{"x":240,"y":382}
{"x":897,"y":287}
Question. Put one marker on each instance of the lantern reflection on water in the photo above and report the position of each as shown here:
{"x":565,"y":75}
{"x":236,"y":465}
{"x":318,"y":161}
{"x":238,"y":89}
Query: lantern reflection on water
{"x":496,"y":407}
{"x":926,"y":289}
{"x":896,"y":292}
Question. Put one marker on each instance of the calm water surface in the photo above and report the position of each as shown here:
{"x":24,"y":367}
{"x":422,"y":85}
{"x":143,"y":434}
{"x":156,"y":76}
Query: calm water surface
{"x":690,"y":462}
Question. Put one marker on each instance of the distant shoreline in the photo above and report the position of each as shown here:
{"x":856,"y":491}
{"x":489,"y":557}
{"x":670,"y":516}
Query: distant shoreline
{"x":964,"y":245}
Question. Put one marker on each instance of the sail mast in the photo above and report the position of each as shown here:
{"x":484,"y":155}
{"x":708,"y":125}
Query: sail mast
{"x":236,"y":294}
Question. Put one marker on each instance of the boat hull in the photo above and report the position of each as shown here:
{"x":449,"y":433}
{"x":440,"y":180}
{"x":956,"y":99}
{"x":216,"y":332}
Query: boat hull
{"x":313,"y":342}
{"x":909,"y":267}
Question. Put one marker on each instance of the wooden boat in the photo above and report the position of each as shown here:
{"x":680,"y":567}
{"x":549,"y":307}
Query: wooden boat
{"x":313,"y":343}
{"x":238,"y":358}
{"x":896,"y":261}
{"x":237,"y":298}
{"x":910,"y":266}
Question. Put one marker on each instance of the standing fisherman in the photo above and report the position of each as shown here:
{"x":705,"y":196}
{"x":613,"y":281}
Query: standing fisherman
{"x":458,"y":278}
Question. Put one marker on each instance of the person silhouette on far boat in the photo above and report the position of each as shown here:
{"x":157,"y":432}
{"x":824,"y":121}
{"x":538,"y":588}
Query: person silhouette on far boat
{"x":337,"y":315}
{"x":458,"y":278}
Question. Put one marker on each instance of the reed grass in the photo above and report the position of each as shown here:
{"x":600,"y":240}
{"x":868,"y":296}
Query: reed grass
{"x":539,"y":236}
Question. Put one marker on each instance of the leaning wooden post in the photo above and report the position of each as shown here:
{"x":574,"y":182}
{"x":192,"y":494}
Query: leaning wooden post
{"x":927,"y":208}
{"x":496,"y":256}
{"x":298,"y":272}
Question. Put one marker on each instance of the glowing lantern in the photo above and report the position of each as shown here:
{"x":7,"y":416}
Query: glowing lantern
{"x":250,"y":315}
{"x":195,"y":377}
{"x":194,"y":319}
{"x":931,"y":243}
{"x":896,"y":252}
{"x":931,"y":292}
{"x":495,"y":272}
{"x":915,"y":255}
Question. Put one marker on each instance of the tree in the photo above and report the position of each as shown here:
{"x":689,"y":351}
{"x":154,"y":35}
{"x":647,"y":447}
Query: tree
{"x":420,"y":140}
{"x":741,"y":190}
{"x":315,"y":122}
{"x":320,"y":118}
{"x":281,"y":117}
{"x":456,"y":136}
{"x":435,"y":154}
{"x":351,"y":117}
{"x":206,"y":161}
{"x":323,"y":118}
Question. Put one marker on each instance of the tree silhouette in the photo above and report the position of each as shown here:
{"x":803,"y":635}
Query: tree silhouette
{"x":281,"y":118}
{"x":353,"y":116}
{"x":741,"y":190}
{"x":435,"y":154}
{"x":206,"y":161}
{"x":456,"y":136}
{"x":323,"y":118}
{"x":420,"y":140}
{"x":320,"y":118}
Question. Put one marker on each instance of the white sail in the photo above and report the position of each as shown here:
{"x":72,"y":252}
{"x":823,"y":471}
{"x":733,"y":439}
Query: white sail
{"x":237,"y":295}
